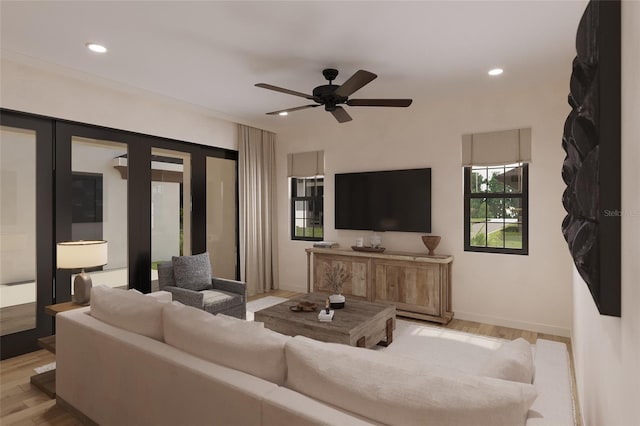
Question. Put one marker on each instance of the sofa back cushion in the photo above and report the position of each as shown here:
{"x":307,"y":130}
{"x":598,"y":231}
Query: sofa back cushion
{"x":129,"y":310}
{"x":398,"y":391}
{"x":192,"y":272}
{"x":511,"y":361}
{"x":238,"y":344}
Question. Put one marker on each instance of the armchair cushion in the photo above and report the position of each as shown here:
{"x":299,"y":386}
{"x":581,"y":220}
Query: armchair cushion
{"x":192,"y":272}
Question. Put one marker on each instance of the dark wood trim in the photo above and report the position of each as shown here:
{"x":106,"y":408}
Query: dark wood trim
{"x":62,"y":218}
{"x":198,"y":203}
{"x":139,"y":215}
{"x":609,"y":69}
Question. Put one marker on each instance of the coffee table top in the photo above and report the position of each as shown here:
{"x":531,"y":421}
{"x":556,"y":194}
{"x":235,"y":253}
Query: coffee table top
{"x":354,"y":320}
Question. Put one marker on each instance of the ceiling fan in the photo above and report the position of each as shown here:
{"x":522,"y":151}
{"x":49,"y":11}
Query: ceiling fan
{"x":332,"y":95}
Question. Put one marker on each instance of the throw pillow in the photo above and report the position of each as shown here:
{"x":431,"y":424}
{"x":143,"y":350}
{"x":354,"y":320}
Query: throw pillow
{"x":192,"y":272}
{"x":128,"y":310}
{"x":511,"y":361}
{"x":236,"y":343}
{"x":395,"y":390}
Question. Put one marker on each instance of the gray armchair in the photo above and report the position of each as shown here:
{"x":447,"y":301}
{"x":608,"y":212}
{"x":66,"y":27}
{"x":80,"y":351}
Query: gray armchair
{"x":222,"y":296}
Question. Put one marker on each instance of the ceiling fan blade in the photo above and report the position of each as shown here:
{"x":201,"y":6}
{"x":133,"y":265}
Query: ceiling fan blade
{"x":355,"y":82}
{"x":341,"y":115}
{"x":283,"y":90}
{"x":292,"y":109}
{"x":380,"y":102}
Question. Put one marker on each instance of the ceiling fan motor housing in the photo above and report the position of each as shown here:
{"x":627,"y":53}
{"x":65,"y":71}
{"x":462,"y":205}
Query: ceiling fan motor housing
{"x":325,"y":95}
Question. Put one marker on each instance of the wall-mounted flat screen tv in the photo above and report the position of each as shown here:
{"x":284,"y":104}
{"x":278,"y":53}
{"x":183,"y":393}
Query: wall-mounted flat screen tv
{"x":394,"y":200}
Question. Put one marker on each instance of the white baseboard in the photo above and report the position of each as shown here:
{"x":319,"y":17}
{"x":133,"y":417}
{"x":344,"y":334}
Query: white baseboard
{"x":522,"y":325}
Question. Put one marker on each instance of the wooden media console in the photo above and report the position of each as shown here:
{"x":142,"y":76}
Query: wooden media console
{"x":418,"y":284}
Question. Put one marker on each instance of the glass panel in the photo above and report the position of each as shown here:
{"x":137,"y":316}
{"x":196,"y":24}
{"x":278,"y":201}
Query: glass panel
{"x":513,"y":227}
{"x":99,"y":198}
{"x":17,"y":230}
{"x":300,"y":209}
{"x":478,"y":225}
{"x":170,"y":193}
{"x":513,"y":179}
{"x":299,"y":188}
{"x":222,"y":216}
{"x":495,"y":179}
{"x":478,"y":179}
{"x":495,"y":222}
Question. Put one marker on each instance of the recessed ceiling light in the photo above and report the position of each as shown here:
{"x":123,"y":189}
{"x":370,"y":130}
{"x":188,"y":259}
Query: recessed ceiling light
{"x":496,"y":71}
{"x":98,"y":48}
{"x":283,"y":113}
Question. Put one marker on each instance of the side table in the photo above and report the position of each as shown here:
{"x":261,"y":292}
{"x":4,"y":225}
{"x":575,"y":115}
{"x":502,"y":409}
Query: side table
{"x":46,"y":381}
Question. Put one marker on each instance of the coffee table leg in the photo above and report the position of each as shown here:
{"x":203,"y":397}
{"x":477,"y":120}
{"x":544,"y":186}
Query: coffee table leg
{"x":389,"y":333}
{"x":361,"y":342}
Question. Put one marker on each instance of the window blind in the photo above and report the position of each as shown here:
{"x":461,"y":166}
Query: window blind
{"x":305,"y":164}
{"x":496,"y":148}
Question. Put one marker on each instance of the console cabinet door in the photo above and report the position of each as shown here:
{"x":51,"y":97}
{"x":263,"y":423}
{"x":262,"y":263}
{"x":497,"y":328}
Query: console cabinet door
{"x":358,"y":266}
{"x":411,"y":286}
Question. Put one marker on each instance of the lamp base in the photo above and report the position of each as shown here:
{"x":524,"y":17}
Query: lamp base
{"x":82,"y":288}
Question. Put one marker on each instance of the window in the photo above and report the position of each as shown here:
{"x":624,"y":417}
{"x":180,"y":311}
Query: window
{"x":307,"y":204}
{"x":496,"y":208}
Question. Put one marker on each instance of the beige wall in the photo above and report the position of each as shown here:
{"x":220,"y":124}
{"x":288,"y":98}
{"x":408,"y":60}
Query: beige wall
{"x":607,"y":349}
{"x":64,"y":93}
{"x":530,"y":292}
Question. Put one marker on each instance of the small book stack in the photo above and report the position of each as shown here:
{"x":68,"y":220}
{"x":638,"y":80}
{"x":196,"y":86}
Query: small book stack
{"x":323,"y":316}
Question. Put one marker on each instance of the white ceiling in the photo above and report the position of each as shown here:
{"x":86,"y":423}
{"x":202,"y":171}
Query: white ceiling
{"x":212,"y":53}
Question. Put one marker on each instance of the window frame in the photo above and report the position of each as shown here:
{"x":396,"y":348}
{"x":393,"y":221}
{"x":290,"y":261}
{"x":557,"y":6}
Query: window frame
{"x":523,"y":196}
{"x":314,"y":200}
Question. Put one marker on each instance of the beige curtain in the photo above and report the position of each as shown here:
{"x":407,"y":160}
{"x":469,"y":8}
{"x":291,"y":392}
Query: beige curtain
{"x":257,"y":192}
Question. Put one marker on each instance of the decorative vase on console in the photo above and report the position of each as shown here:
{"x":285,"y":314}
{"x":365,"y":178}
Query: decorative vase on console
{"x":335,"y":276}
{"x":375,"y":240}
{"x":431,"y":242}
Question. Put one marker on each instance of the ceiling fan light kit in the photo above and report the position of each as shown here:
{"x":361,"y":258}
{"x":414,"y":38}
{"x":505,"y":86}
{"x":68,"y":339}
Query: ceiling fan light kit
{"x":331,"y":96}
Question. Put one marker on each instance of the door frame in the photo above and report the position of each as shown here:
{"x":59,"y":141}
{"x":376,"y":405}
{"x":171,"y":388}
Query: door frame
{"x":26,"y":341}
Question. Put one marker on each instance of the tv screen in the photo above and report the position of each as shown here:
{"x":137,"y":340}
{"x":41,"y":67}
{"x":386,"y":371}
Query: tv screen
{"x":394,"y":200}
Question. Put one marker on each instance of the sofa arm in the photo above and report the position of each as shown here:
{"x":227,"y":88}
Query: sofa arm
{"x":232,"y":286}
{"x":186,"y":296}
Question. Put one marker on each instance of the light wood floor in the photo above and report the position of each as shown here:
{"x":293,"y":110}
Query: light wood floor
{"x":22,"y":404}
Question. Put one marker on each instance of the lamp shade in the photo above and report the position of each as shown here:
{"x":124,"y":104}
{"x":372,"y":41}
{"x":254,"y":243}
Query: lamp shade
{"x":81,"y":254}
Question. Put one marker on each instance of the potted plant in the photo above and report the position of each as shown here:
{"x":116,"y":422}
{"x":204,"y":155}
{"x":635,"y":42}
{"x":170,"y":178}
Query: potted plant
{"x":335,"y":277}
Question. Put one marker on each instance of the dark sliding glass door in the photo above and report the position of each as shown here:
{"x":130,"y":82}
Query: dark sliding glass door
{"x":26,"y":231}
{"x":150,"y":198}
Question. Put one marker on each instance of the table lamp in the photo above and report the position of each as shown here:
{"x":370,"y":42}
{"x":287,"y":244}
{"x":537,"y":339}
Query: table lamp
{"x":81,"y":255}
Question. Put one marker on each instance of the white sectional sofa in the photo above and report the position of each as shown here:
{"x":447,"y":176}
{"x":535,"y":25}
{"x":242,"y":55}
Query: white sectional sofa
{"x":139,"y":360}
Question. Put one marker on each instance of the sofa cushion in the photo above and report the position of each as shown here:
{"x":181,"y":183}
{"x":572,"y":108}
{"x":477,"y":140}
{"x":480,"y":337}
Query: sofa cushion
{"x":192,"y":272}
{"x":396,"y":390}
{"x":255,"y":324}
{"x":511,"y":361}
{"x":240,"y":345}
{"x":128,"y":310}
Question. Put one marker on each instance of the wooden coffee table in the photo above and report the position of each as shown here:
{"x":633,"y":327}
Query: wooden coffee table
{"x":359,"y":323}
